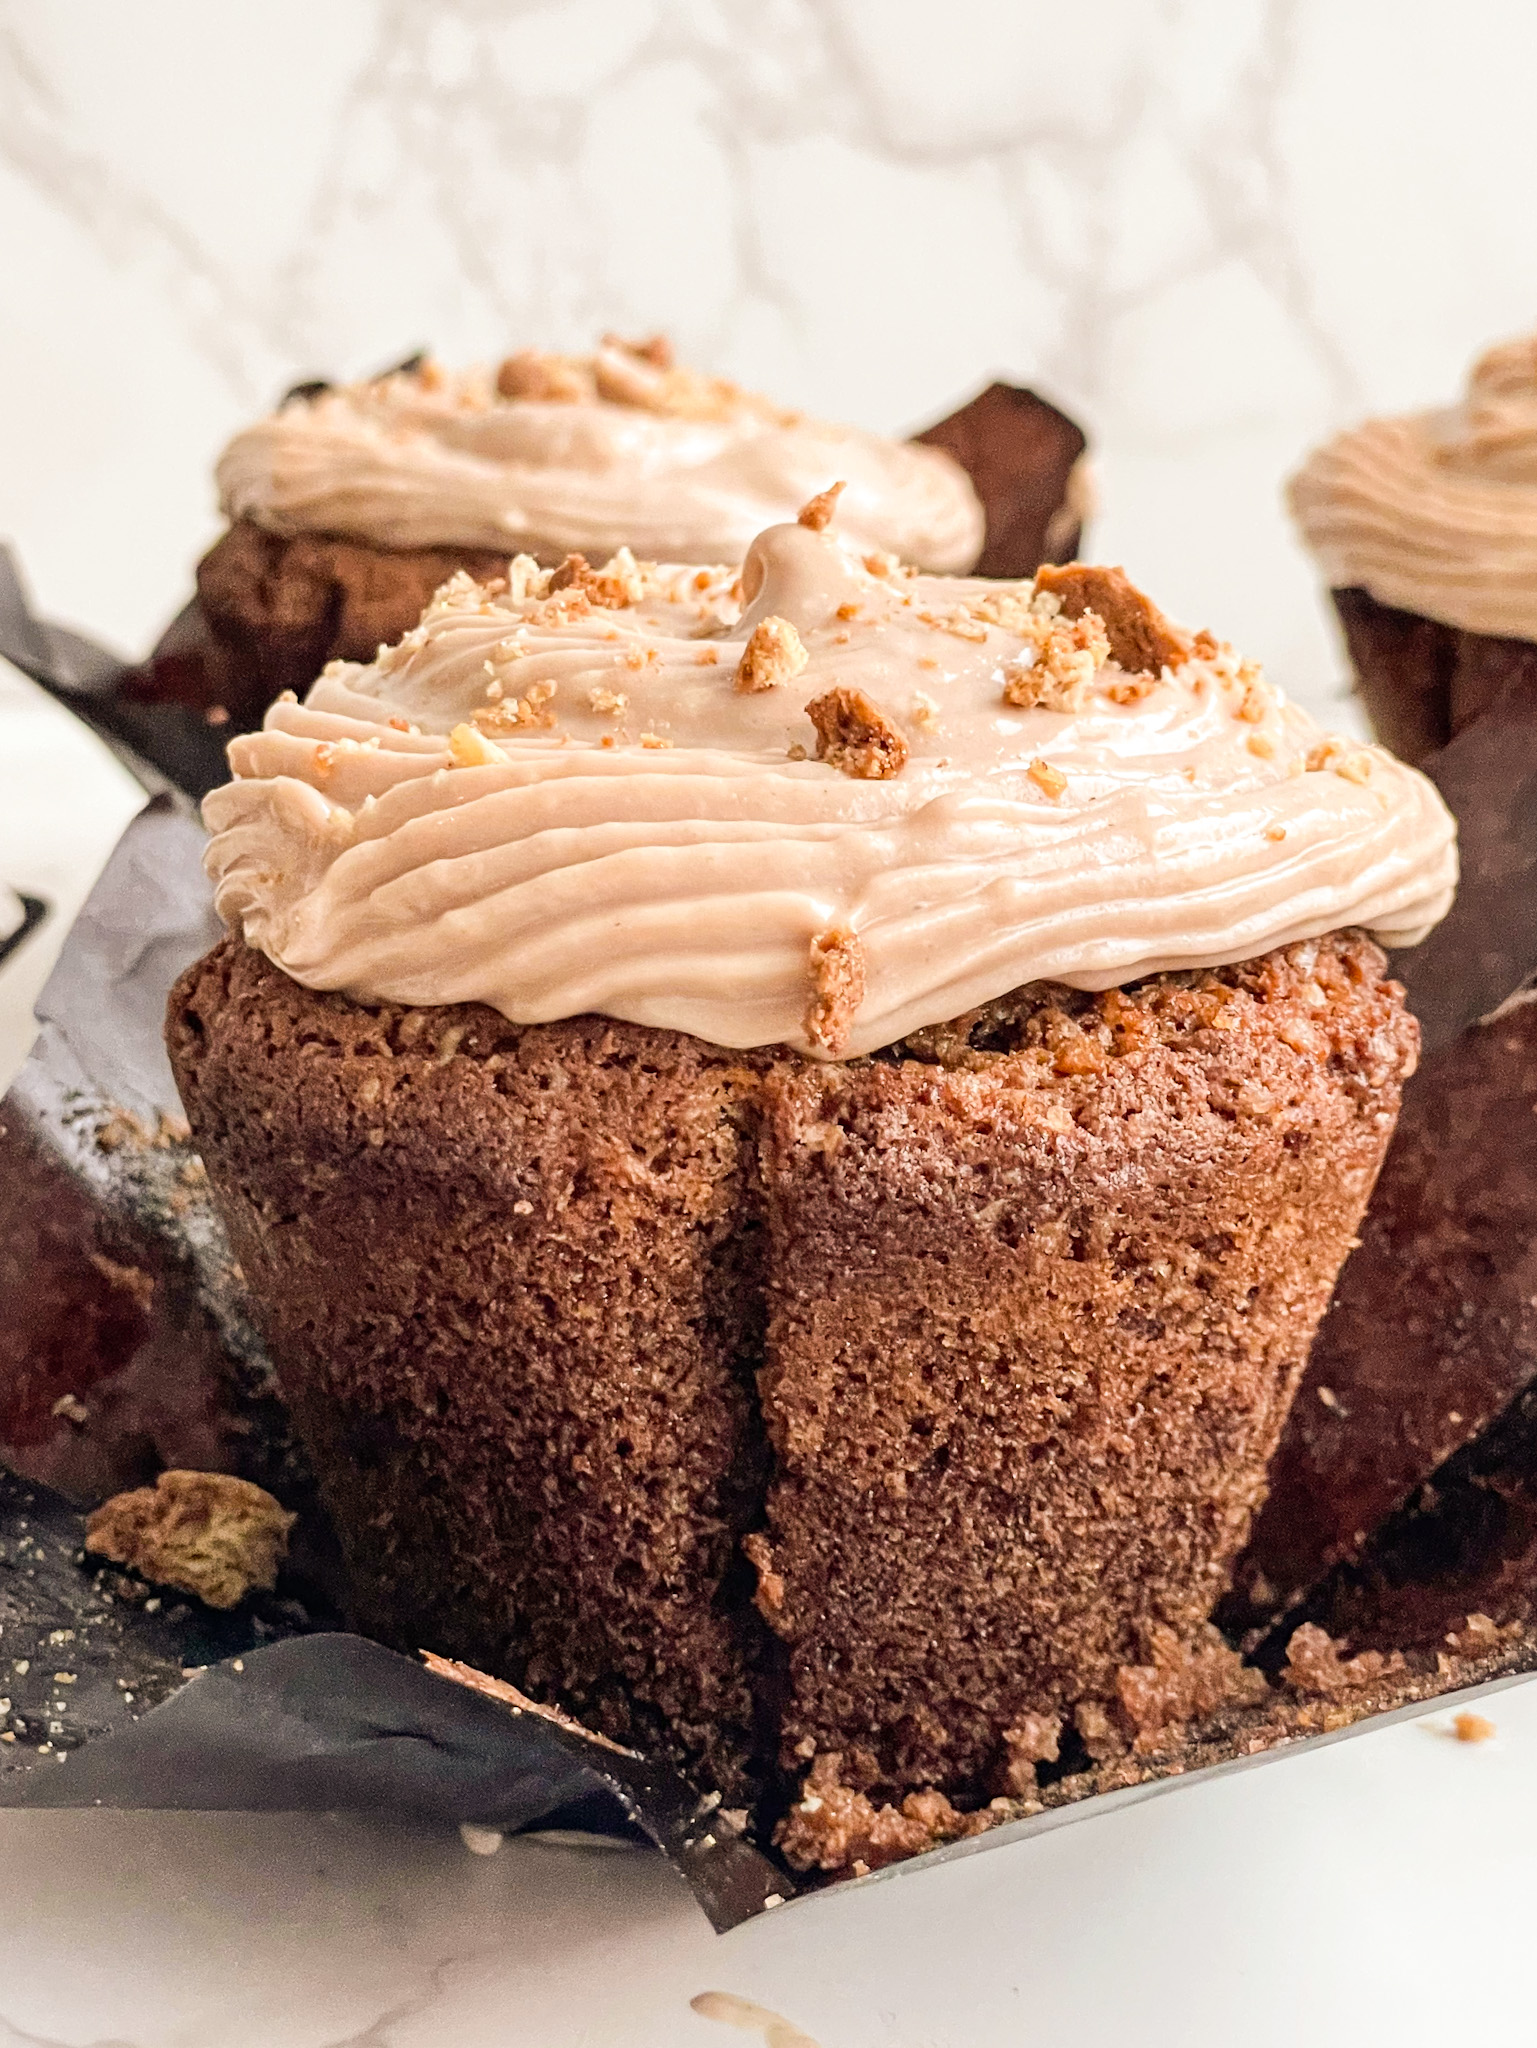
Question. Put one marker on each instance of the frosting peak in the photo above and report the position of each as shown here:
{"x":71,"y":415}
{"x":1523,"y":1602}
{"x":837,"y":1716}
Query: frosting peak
{"x":554,"y":453}
{"x":1436,"y":512}
{"x":821,"y":800}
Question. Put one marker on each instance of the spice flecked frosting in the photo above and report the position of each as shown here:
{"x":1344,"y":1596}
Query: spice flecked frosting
{"x":822,"y":801}
{"x":1436,"y":512}
{"x":552,"y":453}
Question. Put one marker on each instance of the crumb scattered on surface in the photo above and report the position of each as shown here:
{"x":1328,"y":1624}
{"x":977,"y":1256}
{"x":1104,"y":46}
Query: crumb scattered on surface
{"x":732,"y":2011}
{"x":205,"y":1533}
{"x":1048,"y":780}
{"x":1472,"y":1727}
{"x":469,"y":748}
{"x":855,"y":736}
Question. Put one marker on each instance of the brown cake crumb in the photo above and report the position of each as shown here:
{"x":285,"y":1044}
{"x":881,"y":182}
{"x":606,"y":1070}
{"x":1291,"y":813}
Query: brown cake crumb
{"x":1472,"y":1727}
{"x":817,"y":512}
{"x":1032,"y":1739}
{"x":833,"y":1827}
{"x":838,"y":987}
{"x":1182,"y":1681}
{"x":1314,"y":1663}
{"x":856,"y":736}
{"x":774,"y":654}
{"x":1141,"y":639}
{"x":204,"y":1533}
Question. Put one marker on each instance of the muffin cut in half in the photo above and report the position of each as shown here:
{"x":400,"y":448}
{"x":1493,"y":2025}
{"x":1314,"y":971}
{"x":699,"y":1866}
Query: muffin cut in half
{"x":820,"y":1360}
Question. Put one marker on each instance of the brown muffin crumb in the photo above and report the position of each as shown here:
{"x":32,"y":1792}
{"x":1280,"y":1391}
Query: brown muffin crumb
{"x":833,"y":1827}
{"x":1314,"y":1663}
{"x":205,"y":1533}
{"x":1030,"y":1740}
{"x":1142,"y":640}
{"x":774,"y":654}
{"x":1183,"y":1680}
{"x":817,"y":512}
{"x":1472,"y":1727}
{"x":856,"y":736}
{"x":838,"y":987}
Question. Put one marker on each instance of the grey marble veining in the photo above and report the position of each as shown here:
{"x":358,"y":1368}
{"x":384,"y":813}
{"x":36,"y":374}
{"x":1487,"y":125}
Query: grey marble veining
{"x":1212,"y":227}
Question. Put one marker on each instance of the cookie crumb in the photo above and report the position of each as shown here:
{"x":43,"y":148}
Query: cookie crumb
{"x":817,"y":512}
{"x":205,"y":1533}
{"x":1048,"y":780}
{"x":774,"y":654}
{"x":838,"y":988}
{"x":1472,"y":1727}
{"x":855,"y":736}
{"x":1141,"y":639}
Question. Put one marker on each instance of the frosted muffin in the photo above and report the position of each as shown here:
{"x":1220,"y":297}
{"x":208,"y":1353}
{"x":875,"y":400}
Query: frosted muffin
{"x":351,"y":504}
{"x":1426,"y":530}
{"x":789,"y":1130}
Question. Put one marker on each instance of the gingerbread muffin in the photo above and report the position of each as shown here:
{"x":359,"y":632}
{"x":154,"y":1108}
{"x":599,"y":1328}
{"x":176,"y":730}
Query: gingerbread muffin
{"x":1426,"y":530}
{"x":789,"y":1130}
{"x":350,"y":505}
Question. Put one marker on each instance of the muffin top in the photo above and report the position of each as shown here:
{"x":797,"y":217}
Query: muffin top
{"x":820,"y":800}
{"x":1436,"y":512}
{"x":552,"y":453}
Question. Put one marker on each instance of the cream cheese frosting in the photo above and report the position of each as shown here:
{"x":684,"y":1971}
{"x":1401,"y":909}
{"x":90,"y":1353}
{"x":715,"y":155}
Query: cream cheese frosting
{"x":554,"y":454}
{"x":740,"y":803}
{"x":1436,"y":512}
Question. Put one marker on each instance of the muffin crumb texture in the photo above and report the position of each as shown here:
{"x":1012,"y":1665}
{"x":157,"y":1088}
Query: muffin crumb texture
{"x":205,"y":1533}
{"x":873,"y":1437}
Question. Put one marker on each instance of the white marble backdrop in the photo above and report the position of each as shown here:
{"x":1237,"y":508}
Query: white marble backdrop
{"x":1213,"y":228}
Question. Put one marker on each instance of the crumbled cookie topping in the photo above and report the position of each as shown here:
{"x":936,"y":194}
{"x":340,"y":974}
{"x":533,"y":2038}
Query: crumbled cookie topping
{"x":774,"y":654}
{"x":817,"y":512}
{"x":1068,"y":654}
{"x":468,"y":747}
{"x":1142,"y":641}
{"x":528,"y":713}
{"x":837,"y":966}
{"x":1048,"y":780}
{"x":855,"y":735}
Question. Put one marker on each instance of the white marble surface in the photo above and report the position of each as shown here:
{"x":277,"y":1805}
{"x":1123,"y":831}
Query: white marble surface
{"x":1377,"y":1891}
{"x":1214,"y":229}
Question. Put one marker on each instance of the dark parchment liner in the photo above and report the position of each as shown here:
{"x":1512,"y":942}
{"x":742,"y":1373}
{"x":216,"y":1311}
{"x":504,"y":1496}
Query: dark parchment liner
{"x":124,"y":1347}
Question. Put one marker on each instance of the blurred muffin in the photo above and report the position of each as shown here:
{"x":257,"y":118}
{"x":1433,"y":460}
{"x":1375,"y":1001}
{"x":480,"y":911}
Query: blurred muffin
{"x":350,"y":505}
{"x":1426,"y":529}
{"x":789,"y":1130}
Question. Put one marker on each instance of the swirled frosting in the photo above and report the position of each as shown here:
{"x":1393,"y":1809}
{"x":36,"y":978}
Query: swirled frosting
{"x":1436,"y":513}
{"x":608,"y":797}
{"x":554,"y":454}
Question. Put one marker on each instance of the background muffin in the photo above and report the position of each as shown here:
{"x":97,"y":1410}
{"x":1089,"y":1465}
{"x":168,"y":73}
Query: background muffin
{"x":350,"y":505}
{"x":1426,"y":529}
